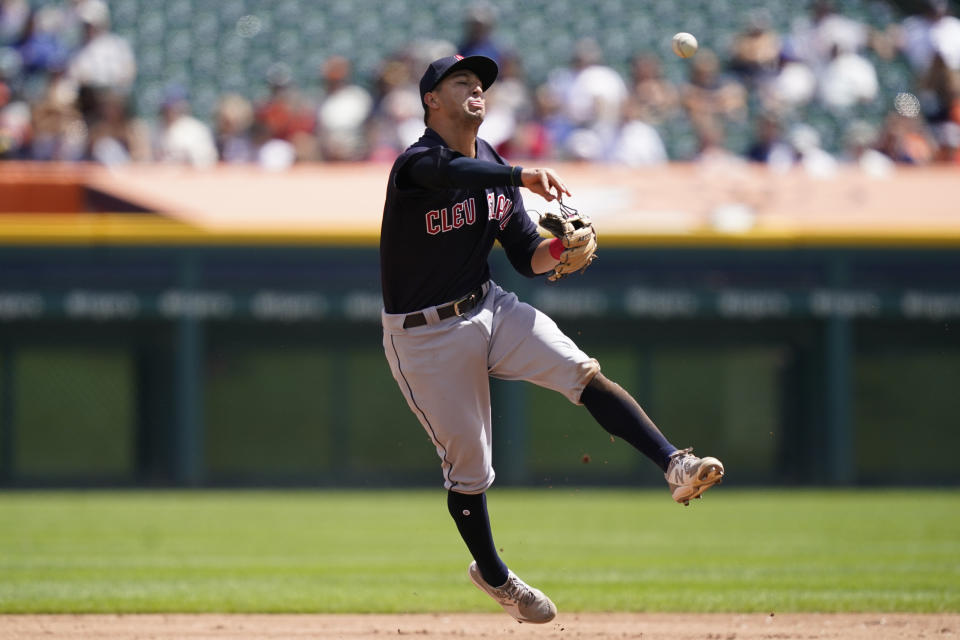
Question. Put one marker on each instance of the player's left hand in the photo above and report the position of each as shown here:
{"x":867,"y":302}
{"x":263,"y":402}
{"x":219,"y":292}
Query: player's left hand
{"x":545,"y":183}
{"x":578,"y":237}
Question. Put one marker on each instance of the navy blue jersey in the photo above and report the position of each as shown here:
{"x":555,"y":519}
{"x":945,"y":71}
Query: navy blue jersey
{"x":437,"y":233}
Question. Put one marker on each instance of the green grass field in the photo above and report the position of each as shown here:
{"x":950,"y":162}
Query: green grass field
{"x":591,"y":550}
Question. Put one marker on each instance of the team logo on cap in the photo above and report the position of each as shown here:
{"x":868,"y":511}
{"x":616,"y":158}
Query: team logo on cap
{"x":458,"y":57}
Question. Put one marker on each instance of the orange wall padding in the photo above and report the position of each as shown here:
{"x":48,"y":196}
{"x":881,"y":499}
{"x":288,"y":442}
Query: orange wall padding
{"x":34,"y":187}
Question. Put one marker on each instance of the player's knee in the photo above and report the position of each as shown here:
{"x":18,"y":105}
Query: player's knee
{"x":470,"y":484}
{"x":602,"y":384}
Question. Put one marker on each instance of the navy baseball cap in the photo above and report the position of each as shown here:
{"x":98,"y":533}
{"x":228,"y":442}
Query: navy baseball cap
{"x":485,"y":68}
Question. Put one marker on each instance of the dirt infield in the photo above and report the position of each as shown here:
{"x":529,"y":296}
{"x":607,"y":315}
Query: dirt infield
{"x":859,"y":626}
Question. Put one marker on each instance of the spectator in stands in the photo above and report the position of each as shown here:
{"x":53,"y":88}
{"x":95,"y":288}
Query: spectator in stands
{"x":397,"y":118}
{"x":847,"y":80}
{"x":116,"y":136}
{"x":533,"y":137}
{"x":43,"y":49}
{"x":755,"y":53}
{"x":104,"y":61}
{"x":939,"y":95}
{"x":508,"y":104}
{"x":769,"y":146}
{"x":638,"y":143}
{"x":286,"y":115}
{"x":811,"y":156}
{"x":233,"y":120}
{"x":593,"y":96}
{"x":949,"y":150}
{"x":791,"y":88}
{"x":905,"y":140}
{"x":59,"y":131}
{"x":478,"y":27}
{"x":343,"y":113}
{"x":814,"y":38}
{"x":15,"y":124}
{"x":272,"y":154}
{"x":183,"y":139}
{"x":712,"y":152}
{"x":859,"y":141}
{"x":653,"y":98}
{"x":711,"y":99}
{"x":934,"y":30}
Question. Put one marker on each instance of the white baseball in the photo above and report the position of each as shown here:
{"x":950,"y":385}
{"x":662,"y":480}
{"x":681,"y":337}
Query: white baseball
{"x":684,"y":44}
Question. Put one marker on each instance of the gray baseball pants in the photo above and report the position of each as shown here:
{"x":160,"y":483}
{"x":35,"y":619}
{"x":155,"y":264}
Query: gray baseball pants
{"x":443,"y":370}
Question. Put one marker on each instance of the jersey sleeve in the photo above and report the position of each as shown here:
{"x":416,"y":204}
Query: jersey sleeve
{"x":419,"y":169}
{"x":441,"y":168}
{"x":520,"y":238}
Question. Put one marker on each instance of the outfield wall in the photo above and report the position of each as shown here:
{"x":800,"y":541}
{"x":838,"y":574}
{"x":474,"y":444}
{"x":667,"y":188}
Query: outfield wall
{"x":221,"y":328}
{"x":237,"y":363}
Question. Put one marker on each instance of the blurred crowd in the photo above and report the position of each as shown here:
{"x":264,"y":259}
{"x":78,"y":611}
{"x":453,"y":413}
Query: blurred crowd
{"x":66,"y":83}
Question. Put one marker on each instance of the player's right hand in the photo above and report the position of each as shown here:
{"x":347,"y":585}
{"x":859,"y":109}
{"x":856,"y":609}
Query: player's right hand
{"x":545,"y":183}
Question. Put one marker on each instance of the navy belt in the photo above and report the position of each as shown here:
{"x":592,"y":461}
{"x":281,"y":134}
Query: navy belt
{"x":456,"y":308}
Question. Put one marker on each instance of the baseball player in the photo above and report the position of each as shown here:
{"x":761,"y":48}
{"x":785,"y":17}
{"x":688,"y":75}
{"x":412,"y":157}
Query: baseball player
{"x":447,"y":327}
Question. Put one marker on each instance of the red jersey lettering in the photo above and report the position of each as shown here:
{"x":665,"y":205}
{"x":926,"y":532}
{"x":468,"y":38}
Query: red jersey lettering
{"x":433,"y":222}
{"x":501,"y":210}
{"x":443,"y":220}
{"x":471,"y":211}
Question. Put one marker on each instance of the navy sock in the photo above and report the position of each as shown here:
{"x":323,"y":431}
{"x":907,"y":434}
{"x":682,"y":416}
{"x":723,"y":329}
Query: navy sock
{"x":620,"y":415}
{"x":473,"y":523}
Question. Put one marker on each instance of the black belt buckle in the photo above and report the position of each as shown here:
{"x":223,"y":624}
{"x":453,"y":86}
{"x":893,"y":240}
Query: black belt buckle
{"x":471,"y":299}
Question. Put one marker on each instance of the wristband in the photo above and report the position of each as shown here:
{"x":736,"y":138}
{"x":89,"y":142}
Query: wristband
{"x":515,"y":180}
{"x":556,"y":248}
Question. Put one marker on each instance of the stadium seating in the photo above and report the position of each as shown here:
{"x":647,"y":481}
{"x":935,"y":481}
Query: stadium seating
{"x":227,"y":46}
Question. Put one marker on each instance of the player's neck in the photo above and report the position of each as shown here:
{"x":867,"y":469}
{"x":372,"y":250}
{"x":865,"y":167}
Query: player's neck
{"x":459,"y":138}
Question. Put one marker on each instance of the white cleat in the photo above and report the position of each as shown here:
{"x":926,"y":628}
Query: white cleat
{"x":689,"y":476}
{"x":517,"y":598}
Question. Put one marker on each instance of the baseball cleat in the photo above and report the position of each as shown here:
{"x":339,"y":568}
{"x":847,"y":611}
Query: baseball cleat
{"x":517,"y":598}
{"x":689,"y":476}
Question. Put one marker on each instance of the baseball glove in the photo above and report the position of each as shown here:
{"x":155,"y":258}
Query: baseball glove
{"x":578,"y":236}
